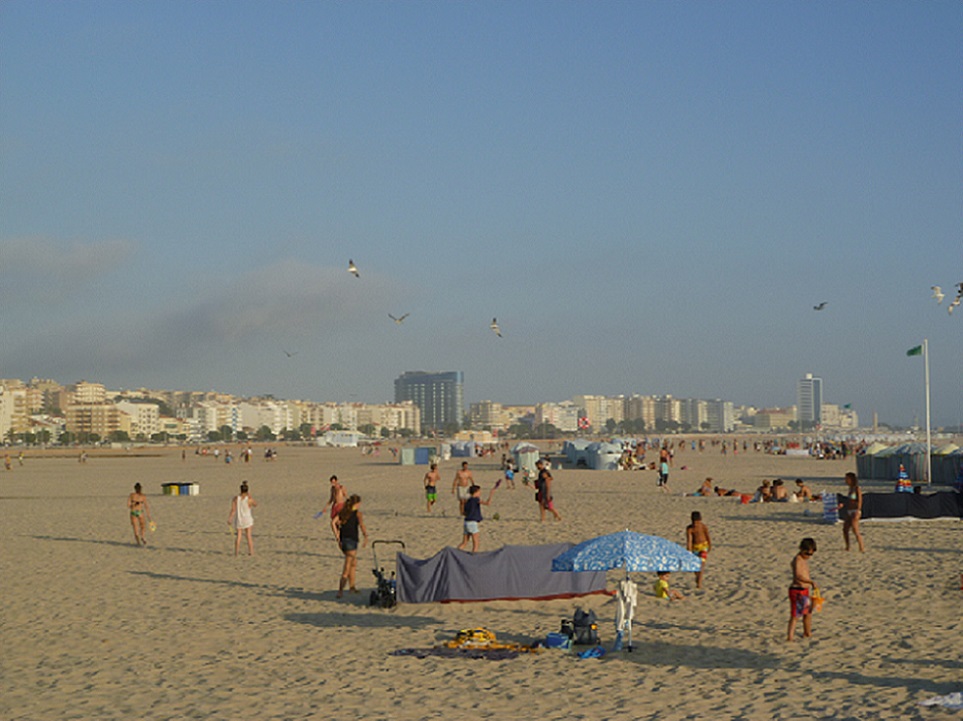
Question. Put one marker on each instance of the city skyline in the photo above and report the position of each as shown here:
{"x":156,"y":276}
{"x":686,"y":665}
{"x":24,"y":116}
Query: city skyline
{"x":438,"y":405}
{"x":649,"y":198}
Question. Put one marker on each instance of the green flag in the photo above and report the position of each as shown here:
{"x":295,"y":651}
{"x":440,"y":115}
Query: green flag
{"x":918,"y":350}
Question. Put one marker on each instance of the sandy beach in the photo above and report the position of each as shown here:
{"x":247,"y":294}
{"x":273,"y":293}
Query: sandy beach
{"x":93,"y":627}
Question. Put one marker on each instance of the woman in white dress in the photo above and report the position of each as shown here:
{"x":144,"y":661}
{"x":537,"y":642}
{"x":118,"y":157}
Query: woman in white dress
{"x":242,"y":519}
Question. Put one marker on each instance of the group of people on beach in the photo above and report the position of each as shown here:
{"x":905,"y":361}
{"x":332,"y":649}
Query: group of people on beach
{"x":348,"y":528}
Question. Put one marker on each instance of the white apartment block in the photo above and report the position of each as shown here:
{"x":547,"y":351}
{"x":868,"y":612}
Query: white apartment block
{"x":599,"y":409}
{"x":393,"y":416}
{"x":720,"y":415}
{"x":212,"y":416}
{"x":668,"y":409}
{"x":87,"y":394}
{"x":144,"y":418}
{"x":563,"y":416}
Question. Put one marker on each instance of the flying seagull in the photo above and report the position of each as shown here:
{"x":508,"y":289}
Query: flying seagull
{"x":289,"y":354}
{"x":400,"y":320}
{"x":820,"y":306}
{"x":938,"y":294}
{"x":951,"y":306}
{"x":495,"y":329}
{"x":353,"y":269}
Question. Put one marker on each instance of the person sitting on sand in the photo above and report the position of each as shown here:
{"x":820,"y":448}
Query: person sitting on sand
{"x":780,"y":494}
{"x":804,"y":493}
{"x":705,"y":489}
{"x":662,"y":590}
{"x":763,"y":493}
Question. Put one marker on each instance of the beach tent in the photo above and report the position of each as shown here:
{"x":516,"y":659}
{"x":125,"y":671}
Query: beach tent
{"x":463,"y":449}
{"x":603,"y":456}
{"x":340,"y":439}
{"x":508,"y":574}
{"x":576,"y":451}
{"x":525,"y":455}
{"x":948,"y":468}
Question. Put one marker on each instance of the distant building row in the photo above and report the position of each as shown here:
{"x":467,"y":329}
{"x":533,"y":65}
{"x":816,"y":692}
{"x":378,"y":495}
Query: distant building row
{"x":88,"y":409}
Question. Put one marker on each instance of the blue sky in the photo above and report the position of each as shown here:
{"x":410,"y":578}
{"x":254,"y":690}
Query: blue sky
{"x":650,"y":197}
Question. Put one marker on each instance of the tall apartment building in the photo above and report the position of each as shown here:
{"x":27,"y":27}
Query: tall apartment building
{"x":720,"y":415}
{"x":809,"y":401}
{"x":440,"y":396}
{"x":668,"y":409}
{"x":694,"y":412}
{"x":642,"y":408}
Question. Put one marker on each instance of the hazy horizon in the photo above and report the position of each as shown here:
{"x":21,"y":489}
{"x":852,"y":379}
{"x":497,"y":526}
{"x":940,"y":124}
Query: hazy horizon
{"x":649,"y":198}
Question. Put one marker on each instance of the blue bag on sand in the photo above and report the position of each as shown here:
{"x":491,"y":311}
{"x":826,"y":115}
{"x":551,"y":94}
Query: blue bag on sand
{"x":558,"y":640}
{"x":594,"y":652}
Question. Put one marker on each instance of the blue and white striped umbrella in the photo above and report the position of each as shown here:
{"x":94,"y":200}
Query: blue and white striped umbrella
{"x":629,"y":550}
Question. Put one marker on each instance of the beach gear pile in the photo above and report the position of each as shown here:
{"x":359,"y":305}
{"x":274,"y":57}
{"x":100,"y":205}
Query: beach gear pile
{"x":472,"y":643}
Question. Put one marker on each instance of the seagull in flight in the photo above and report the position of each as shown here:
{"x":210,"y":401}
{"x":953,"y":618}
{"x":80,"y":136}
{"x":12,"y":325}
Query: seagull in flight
{"x":495,"y":329}
{"x":938,"y":294}
{"x":353,"y":269}
{"x":289,"y":354}
{"x":400,"y":320}
{"x":821,"y":305}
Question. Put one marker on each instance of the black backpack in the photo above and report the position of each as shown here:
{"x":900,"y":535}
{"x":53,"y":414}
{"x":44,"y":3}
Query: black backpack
{"x":586,"y":628}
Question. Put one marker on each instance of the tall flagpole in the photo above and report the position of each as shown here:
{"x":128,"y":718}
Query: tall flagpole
{"x":926,"y":376}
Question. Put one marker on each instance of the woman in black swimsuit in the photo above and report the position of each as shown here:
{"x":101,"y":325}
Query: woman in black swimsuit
{"x":852,"y":509}
{"x":346,"y":527}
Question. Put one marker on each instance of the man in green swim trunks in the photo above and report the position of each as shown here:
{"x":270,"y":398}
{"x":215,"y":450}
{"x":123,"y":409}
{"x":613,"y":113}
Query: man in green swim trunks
{"x":431,"y":486}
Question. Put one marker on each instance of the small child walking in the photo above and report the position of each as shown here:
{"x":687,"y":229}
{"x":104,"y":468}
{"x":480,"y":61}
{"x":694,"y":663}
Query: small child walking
{"x":800,"y":603}
{"x":473,"y":516}
{"x":697,"y":540}
{"x":662,"y":590}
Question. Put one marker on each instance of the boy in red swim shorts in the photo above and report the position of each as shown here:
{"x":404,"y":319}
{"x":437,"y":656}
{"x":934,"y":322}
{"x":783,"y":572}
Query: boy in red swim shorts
{"x":800,"y":602}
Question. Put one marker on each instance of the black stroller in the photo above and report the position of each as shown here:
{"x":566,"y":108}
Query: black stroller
{"x":385,"y":594}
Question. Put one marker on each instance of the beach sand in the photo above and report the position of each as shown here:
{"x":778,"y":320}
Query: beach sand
{"x":93,"y":627}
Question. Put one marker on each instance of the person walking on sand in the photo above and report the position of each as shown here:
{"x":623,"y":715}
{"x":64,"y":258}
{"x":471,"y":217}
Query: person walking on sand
{"x":139,"y":515}
{"x":800,"y":603}
{"x":473,"y":517}
{"x":852,"y":510}
{"x":543,"y":492}
{"x":431,"y":486}
{"x":346,"y":526}
{"x":697,"y":540}
{"x":463,"y":481}
{"x":242,"y":519}
{"x":336,"y":499}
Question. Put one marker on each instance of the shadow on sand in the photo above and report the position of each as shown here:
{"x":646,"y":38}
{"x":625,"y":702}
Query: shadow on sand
{"x":656,"y":653}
